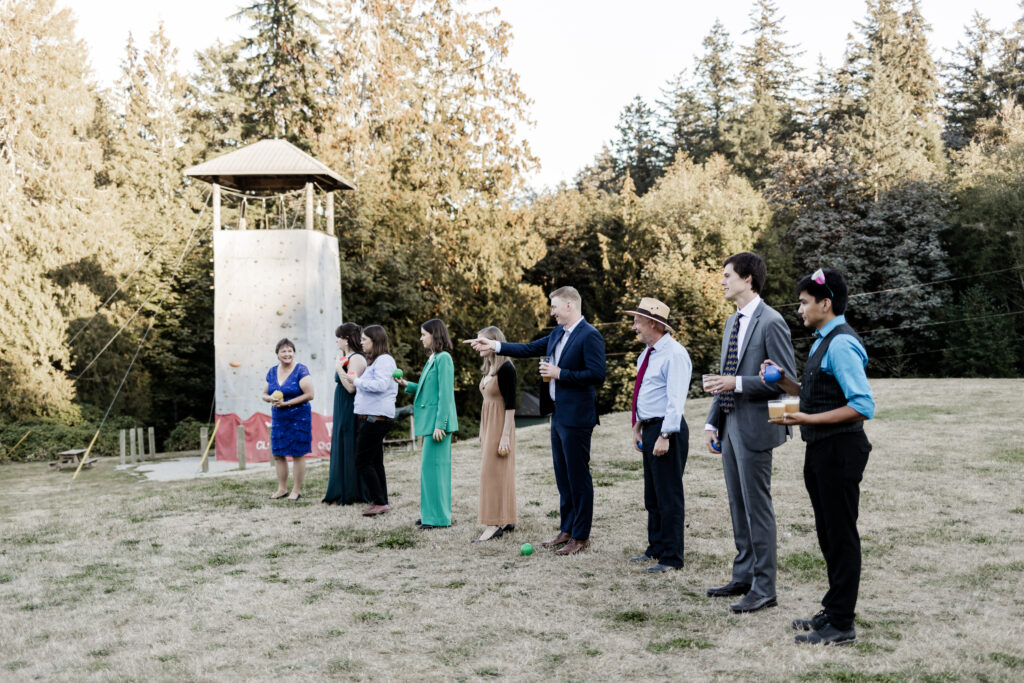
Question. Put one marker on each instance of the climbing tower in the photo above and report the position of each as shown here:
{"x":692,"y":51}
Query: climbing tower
{"x":276,"y":275}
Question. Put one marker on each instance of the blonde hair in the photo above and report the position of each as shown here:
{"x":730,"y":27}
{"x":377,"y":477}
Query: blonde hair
{"x":569,"y":294}
{"x":494,"y":361}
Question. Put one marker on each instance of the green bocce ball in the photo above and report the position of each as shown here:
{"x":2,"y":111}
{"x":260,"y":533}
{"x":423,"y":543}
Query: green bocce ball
{"x":397,"y":374}
{"x":526,"y":549}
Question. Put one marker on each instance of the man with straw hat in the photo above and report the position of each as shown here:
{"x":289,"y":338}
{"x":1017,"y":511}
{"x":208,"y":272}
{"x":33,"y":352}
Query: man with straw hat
{"x":660,"y":432}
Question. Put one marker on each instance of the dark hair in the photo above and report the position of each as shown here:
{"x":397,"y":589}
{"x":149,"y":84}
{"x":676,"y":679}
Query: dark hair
{"x":833,"y":281}
{"x":377,"y":335}
{"x":436,"y":329}
{"x":746,"y":264}
{"x":284,"y":342}
{"x":350,"y":332}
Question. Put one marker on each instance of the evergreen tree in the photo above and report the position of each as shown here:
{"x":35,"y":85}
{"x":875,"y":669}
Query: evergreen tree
{"x":698,"y":114}
{"x":891,"y":124}
{"x":59,"y":249}
{"x":282,"y":57}
{"x":768,"y":115}
{"x":1009,"y":75}
{"x":971,"y":92}
{"x":639,"y":149}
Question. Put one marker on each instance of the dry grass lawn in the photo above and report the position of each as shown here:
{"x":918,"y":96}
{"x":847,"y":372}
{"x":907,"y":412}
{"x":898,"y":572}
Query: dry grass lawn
{"x":121,"y":579}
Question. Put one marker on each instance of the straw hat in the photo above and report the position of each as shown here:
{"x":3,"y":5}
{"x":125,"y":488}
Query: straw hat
{"x":653,"y":309}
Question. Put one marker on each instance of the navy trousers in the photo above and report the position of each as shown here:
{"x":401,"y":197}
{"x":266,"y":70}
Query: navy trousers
{"x":570,"y":454}
{"x":663,"y":494}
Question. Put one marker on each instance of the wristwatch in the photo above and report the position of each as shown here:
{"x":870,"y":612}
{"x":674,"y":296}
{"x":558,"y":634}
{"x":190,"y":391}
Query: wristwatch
{"x":666,"y":435}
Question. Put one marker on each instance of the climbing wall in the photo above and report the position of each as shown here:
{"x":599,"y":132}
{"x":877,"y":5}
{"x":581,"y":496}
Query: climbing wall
{"x":271,"y":284}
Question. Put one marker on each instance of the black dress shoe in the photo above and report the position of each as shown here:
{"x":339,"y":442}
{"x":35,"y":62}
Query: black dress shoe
{"x":812,"y":624}
{"x":728,"y":590}
{"x":828,"y":635}
{"x":659,"y":568}
{"x":752,"y":602}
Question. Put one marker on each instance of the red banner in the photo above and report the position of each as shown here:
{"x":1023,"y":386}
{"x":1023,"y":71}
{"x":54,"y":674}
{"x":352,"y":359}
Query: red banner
{"x":257,"y":437}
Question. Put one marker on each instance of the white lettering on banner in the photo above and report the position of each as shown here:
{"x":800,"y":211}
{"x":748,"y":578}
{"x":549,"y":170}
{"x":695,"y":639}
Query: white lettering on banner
{"x":323,"y":446}
{"x":262,"y":446}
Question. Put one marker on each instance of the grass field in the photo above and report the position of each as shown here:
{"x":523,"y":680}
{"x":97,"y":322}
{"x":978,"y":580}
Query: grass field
{"x":208,"y":580}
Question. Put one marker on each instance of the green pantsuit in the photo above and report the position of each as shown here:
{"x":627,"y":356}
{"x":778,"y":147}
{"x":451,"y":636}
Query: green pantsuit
{"x":434,"y":408}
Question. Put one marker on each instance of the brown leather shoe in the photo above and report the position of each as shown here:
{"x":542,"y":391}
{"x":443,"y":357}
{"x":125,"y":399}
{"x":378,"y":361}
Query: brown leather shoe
{"x":375,"y":510}
{"x":562,"y":537}
{"x":573,"y":547}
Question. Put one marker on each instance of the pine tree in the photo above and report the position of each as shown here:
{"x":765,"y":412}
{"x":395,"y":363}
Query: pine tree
{"x":639,"y":149}
{"x":282,"y":57}
{"x":890,"y":118}
{"x":697,"y":115}
{"x":59,"y":249}
{"x":767,"y":116}
{"x":971,"y":92}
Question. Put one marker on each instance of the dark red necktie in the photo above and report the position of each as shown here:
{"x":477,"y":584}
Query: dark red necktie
{"x":640,"y":378}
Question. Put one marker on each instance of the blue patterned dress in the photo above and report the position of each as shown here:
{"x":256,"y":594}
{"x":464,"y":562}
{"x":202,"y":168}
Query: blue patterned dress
{"x":291,"y":432}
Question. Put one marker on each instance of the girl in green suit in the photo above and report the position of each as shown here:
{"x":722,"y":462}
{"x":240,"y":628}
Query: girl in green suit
{"x":434,"y":416}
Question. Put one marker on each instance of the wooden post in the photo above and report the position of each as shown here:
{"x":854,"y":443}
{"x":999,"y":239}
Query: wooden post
{"x":241,"y":215}
{"x":216,"y":206}
{"x":121,"y":438}
{"x":329,"y":218}
{"x":204,"y":438}
{"x":412,"y":433}
{"x":309,"y":206}
{"x":152,"y":442}
{"x":131,"y":441}
{"x":141,"y":435}
{"x":240,"y":447}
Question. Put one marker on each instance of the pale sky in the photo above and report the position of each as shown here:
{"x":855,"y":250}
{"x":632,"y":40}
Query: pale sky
{"x":580,"y":61}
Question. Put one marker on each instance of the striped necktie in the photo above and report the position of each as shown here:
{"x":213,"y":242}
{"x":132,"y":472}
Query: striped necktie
{"x":727,"y":399}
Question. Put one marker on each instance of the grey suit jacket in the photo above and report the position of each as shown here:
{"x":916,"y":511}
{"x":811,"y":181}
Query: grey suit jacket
{"x":767,"y":337}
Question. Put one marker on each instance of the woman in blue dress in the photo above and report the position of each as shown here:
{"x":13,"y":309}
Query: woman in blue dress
{"x":289,"y":390}
{"x":343,"y":486}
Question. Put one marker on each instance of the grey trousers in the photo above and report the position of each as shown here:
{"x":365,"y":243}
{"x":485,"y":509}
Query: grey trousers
{"x":748,"y":479}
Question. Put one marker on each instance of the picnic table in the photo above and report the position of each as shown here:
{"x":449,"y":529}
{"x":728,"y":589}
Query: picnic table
{"x":71,"y":458}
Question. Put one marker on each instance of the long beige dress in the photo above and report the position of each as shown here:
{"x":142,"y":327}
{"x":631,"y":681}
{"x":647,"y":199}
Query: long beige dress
{"x":497,"y":472}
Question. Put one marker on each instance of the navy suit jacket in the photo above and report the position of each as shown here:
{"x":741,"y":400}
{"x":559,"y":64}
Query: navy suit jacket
{"x":582,"y":370}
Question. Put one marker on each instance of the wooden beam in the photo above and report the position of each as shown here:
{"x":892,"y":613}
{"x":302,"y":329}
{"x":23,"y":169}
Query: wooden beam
{"x":309,"y":206}
{"x":329,"y":219}
{"x":216,"y":206}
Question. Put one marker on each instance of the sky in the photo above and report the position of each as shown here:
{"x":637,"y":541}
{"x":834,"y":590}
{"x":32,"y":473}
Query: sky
{"x":579,"y":61}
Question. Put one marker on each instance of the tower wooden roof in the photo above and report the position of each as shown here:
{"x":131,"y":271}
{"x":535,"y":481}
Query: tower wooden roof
{"x":268,"y":165}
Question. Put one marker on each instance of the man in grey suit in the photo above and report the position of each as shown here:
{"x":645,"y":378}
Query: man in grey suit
{"x":738,"y":421}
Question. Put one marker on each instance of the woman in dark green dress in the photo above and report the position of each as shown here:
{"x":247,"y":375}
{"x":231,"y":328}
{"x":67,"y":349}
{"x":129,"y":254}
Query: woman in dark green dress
{"x":343,"y":485}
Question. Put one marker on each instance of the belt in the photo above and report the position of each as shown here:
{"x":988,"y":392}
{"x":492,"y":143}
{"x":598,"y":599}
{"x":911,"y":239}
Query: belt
{"x":380,"y":418}
{"x":650,"y":421}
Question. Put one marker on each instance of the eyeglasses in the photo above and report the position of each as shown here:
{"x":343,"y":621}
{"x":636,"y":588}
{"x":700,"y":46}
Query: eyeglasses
{"x":819,"y":277}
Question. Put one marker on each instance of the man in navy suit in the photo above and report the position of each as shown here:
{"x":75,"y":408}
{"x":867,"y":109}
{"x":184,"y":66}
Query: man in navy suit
{"x":577,"y":368}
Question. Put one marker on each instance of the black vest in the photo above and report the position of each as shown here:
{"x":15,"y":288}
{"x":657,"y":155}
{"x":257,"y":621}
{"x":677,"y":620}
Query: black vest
{"x":820,"y":392}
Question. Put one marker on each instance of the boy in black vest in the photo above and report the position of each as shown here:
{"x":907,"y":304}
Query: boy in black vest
{"x":835,"y":399}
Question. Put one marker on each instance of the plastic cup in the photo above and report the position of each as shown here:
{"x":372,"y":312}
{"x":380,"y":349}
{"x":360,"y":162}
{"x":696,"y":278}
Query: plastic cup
{"x":776,"y":409}
{"x":792,"y":404}
{"x":547,"y":359}
{"x":704,"y":379}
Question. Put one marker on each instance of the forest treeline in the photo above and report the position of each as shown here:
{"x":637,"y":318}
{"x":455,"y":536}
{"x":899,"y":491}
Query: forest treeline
{"x":901,"y":167}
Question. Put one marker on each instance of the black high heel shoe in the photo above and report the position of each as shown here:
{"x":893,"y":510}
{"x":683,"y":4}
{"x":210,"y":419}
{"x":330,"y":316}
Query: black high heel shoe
{"x":496,"y":534}
{"x":509,"y":528}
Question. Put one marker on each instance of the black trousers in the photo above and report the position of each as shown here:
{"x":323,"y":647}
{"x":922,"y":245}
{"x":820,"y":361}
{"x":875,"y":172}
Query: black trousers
{"x":833,"y":468}
{"x":663,"y":494}
{"x":370,"y":457}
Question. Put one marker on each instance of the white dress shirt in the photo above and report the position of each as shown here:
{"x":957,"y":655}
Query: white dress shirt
{"x":558,"y":351}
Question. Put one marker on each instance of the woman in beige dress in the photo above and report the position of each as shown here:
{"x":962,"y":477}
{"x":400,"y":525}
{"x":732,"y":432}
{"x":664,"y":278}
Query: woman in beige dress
{"x":497,"y":442}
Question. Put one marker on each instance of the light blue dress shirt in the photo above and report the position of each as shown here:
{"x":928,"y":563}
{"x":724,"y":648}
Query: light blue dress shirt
{"x":665,"y":384}
{"x":845,"y":360}
{"x":376,"y":389}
